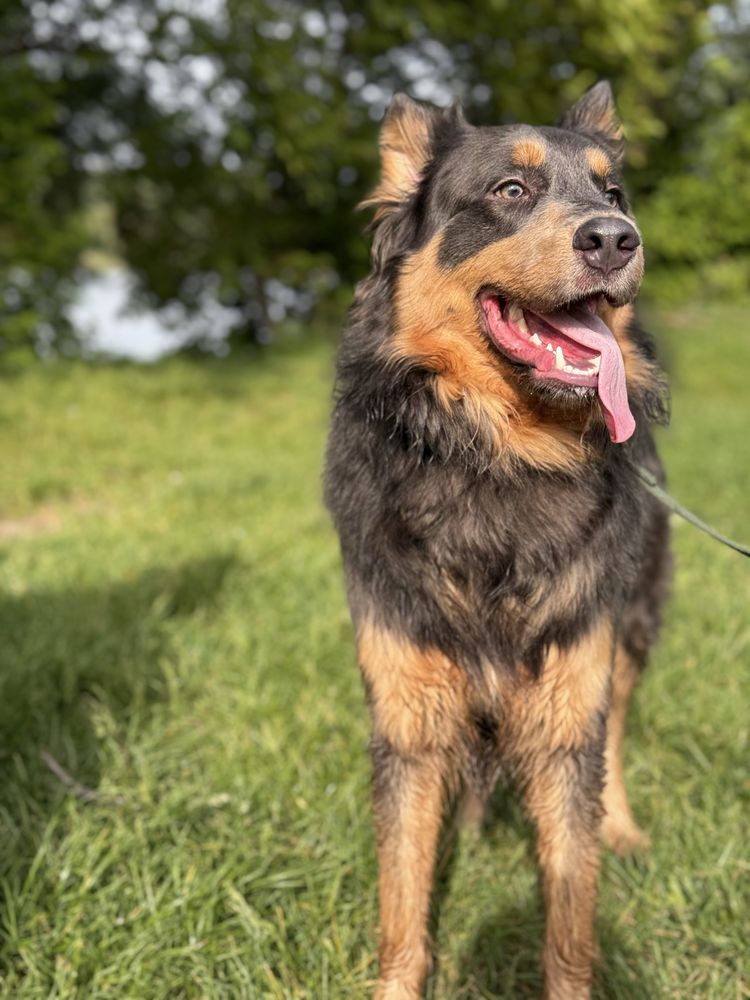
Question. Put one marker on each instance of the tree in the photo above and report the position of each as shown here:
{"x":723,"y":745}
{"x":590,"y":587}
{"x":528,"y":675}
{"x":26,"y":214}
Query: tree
{"x":40,"y":227}
{"x":233,"y":138}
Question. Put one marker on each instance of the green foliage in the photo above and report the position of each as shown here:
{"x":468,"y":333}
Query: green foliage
{"x":725,"y":279}
{"x":232,"y":140}
{"x":40,"y":232}
{"x":697,"y":225}
{"x":175,"y":635}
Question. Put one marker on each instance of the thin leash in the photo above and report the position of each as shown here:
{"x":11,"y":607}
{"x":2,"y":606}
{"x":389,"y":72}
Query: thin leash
{"x":649,"y":481}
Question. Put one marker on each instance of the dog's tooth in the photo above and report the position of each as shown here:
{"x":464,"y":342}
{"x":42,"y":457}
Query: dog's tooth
{"x":597,"y":362}
{"x":550,"y":348}
{"x":559,"y":359}
{"x":516,"y":316}
{"x":571,"y":370}
{"x":536,"y":340}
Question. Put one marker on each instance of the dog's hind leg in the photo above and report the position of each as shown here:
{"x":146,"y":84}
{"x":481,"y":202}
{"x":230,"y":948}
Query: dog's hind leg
{"x":417,"y":703}
{"x":637,"y":632}
{"x":473,"y":809}
{"x":620,"y":832}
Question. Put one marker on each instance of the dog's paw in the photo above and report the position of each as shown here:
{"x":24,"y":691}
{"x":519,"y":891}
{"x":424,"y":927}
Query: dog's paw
{"x":623,"y":836}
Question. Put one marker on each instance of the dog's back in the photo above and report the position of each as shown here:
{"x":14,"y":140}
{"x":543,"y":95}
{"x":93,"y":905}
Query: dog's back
{"x":505,"y":569}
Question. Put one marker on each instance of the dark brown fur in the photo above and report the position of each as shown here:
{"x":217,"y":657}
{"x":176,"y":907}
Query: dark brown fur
{"x":505,"y":569}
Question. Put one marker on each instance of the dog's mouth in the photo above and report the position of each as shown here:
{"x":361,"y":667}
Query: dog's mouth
{"x":572,"y":346}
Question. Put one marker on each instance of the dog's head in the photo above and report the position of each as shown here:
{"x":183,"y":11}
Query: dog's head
{"x":514,"y":249}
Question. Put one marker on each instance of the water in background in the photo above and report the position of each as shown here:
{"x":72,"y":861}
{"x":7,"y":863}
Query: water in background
{"x":108,"y":324}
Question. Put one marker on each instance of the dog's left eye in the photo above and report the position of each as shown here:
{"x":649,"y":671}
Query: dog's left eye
{"x":612,"y":197}
{"x":510,"y":190}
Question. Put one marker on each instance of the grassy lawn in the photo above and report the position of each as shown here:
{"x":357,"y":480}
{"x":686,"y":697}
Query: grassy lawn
{"x":174,"y":634}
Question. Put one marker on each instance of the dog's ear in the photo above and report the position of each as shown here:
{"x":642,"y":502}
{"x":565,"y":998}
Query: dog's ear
{"x":407,"y":140}
{"x":595,"y":114}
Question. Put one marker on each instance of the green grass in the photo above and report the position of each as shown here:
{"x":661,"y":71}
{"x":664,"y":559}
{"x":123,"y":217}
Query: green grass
{"x":175,"y":635}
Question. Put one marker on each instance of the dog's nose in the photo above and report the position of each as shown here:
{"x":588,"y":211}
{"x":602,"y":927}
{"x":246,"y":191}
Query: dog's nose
{"x":606,"y":243}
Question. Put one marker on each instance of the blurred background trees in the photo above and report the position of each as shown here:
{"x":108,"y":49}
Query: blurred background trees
{"x":217,"y":148}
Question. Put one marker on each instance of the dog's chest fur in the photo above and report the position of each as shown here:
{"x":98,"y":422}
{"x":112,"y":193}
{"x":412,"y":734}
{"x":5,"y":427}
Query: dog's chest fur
{"x":489,"y":566}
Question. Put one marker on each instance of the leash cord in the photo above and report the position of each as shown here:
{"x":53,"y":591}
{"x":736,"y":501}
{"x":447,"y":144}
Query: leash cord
{"x":663,"y":497}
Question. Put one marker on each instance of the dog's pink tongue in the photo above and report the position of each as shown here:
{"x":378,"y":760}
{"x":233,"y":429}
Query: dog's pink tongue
{"x":585,"y":328}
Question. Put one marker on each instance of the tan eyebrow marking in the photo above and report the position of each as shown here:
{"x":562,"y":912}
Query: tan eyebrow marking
{"x":528,"y":153}
{"x":599,"y":162}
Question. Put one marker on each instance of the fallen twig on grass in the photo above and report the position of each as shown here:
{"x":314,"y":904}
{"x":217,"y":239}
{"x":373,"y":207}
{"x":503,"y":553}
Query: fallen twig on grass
{"x":82,"y":792}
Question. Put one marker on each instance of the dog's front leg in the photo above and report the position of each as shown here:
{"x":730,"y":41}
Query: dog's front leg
{"x":417,"y":700}
{"x":562,"y":718}
{"x":563,"y":800}
{"x":408,"y":799}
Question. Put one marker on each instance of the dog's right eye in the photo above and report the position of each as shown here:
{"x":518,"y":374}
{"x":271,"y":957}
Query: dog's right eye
{"x":511,"y":190}
{"x":612,"y":197}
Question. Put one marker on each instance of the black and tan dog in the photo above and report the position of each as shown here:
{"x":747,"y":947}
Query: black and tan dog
{"x":505,"y":569}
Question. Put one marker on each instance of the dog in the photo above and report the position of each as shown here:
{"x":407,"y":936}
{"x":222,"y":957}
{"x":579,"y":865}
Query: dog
{"x":505,"y":568}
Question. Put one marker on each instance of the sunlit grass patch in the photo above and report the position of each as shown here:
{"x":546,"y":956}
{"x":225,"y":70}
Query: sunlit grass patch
{"x":175,"y":636}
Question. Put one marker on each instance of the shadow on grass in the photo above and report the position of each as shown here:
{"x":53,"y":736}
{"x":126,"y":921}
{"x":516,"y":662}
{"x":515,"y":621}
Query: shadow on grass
{"x":504,"y":957}
{"x":68,"y":653}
